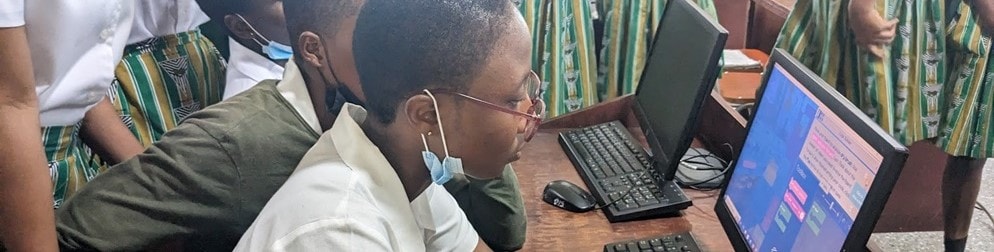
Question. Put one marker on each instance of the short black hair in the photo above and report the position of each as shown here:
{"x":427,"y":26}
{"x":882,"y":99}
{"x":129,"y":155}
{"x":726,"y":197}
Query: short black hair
{"x":321,"y":17}
{"x":404,"y":46}
{"x":217,"y":9}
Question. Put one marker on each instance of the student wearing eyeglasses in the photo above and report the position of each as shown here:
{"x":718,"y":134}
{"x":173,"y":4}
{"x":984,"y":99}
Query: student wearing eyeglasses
{"x":449,"y":93}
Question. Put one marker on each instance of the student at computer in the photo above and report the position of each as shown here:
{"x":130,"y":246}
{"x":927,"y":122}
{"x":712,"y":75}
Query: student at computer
{"x":206,"y":180}
{"x":917,"y":79}
{"x":449,"y":92}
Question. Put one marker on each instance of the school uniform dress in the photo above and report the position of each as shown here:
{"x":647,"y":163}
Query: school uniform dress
{"x":564,"y":54}
{"x":934,"y":80}
{"x":169,"y":69}
{"x":629,"y":27}
{"x":74,"y":47}
{"x":247,"y":68}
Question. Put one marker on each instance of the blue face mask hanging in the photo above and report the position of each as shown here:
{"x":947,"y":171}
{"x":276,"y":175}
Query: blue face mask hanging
{"x":444,"y":170}
{"x":274,"y":50}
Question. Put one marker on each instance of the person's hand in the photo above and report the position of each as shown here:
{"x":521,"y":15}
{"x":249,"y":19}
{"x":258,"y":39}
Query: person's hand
{"x":872,"y":31}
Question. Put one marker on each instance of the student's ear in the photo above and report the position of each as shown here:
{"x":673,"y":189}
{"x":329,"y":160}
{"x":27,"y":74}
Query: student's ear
{"x":238,"y":27}
{"x":419,"y":111}
{"x":312,"y":50}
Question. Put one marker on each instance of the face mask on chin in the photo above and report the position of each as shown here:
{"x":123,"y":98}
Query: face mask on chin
{"x":445,"y":169}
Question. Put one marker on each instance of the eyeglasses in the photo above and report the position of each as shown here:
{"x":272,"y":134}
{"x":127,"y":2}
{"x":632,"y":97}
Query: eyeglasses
{"x":534,"y":114}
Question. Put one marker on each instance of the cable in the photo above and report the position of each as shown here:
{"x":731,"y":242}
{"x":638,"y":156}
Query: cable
{"x":626,"y":194}
{"x":724,"y":170}
{"x":981,"y":207}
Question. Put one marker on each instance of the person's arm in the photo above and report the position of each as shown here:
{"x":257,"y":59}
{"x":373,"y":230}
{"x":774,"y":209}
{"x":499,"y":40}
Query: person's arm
{"x":107,"y":135}
{"x":495,"y":208}
{"x":871,"y":30}
{"x":985,"y":15}
{"x":26,"y":222}
{"x":182,"y":184}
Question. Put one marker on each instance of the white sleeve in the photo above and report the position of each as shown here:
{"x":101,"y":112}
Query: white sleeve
{"x":11,"y":13}
{"x":340,"y":234}
{"x":447,"y":229}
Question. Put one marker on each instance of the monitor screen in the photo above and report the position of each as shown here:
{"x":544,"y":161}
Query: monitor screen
{"x":680,"y":72}
{"x":803,"y":173}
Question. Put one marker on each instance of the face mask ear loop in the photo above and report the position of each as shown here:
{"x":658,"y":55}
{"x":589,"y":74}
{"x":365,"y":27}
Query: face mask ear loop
{"x":424,"y":141}
{"x":438,"y":116}
{"x":253,"y":30}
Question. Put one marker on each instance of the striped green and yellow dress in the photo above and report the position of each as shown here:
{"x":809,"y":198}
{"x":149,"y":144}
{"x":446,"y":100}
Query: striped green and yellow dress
{"x":966,"y":124}
{"x":162,"y":80}
{"x":564,"y":55}
{"x":931,"y":84}
{"x":563,"y":52}
{"x":629,"y":27}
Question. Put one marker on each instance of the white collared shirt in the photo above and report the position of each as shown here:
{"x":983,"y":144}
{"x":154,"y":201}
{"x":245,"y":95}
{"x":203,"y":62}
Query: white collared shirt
{"x":157,"y":18}
{"x":294,"y":90}
{"x":75,"y":47}
{"x":247,"y":68}
{"x":345,"y":196}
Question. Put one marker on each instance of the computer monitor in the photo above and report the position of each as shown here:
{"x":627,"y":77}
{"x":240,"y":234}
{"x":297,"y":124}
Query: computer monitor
{"x":814,"y":172}
{"x":679,"y":74}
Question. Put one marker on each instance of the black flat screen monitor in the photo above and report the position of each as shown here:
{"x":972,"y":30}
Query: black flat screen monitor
{"x":679,"y":74}
{"x":814,"y":172}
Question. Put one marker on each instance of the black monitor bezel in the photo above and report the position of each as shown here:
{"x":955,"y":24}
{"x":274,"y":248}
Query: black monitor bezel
{"x":662,"y":161}
{"x":894,"y":154}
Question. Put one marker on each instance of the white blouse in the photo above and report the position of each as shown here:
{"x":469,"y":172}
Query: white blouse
{"x":157,"y":18}
{"x":75,"y":46}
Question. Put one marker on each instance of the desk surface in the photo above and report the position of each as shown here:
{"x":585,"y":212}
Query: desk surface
{"x":554,"y":229}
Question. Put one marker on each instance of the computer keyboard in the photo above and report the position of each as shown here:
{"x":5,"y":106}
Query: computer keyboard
{"x":618,"y":170}
{"x":682,"y":242}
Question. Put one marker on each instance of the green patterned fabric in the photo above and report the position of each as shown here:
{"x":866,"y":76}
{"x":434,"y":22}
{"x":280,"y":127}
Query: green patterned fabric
{"x":930,"y":82}
{"x":563,"y":52}
{"x":629,"y":27}
{"x":69,"y":161}
{"x":966,"y":123}
{"x":162,"y":80}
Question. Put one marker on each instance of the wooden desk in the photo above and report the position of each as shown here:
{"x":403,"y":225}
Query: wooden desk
{"x":554,"y":229}
{"x":740,"y":86}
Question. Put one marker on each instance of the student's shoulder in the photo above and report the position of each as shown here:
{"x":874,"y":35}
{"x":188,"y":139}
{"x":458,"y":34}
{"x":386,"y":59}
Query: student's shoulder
{"x":320,"y":197}
{"x":259,"y":110}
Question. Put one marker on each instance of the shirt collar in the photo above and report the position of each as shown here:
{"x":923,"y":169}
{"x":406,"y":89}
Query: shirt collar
{"x":294,"y":90}
{"x":251,"y":64}
{"x":375,"y":172}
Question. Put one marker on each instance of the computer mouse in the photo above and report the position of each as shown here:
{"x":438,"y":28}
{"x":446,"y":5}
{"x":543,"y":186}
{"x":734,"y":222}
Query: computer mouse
{"x":569,"y":196}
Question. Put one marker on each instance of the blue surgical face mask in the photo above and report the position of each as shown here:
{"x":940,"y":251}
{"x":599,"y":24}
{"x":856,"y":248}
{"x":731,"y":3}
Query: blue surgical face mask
{"x":274,"y":50}
{"x":441,"y":170}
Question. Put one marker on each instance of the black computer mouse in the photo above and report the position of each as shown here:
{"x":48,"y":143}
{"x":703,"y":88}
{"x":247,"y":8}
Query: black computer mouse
{"x":569,"y":196}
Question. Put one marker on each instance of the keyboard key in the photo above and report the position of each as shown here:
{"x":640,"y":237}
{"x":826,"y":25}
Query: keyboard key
{"x":659,"y":249}
{"x":672,"y":249}
{"x":678,"y":238}
{"x":620,"y":247}
{"x":600,"y":174}
{"x":633,"y":247}
{"x":645,"y":245}
{"x":685,"y":248}
{"x":656,"y":242}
